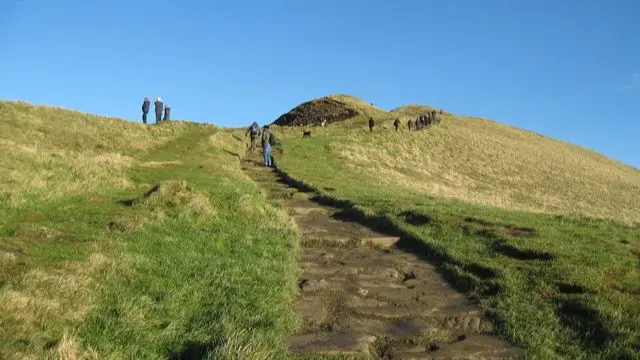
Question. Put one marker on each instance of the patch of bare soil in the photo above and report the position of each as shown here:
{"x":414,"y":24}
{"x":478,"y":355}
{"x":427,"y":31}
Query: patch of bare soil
{"x":360,"y":295}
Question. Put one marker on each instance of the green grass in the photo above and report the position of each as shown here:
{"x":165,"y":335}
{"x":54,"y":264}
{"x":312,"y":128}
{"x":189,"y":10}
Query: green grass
{"x":93,"y":266}
{"x":119,"y":240}
{"x":536,"y":303}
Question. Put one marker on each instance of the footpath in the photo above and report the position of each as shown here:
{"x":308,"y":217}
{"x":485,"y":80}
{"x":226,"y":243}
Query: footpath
{"x":360,"y":295}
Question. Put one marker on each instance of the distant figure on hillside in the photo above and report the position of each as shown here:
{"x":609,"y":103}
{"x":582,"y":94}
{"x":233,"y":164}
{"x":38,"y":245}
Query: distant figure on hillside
{"x":254,"y":132}
{"x":371,"y":124}
{"x":146,"y":104}
{"x":268,"y":140}
{"x":440,"y":111}
{"x":159,"y":108}
{"x":427,"y":120}
{"x":396,"y":124}
{"x":167,"y":113}
{"x":410,"y":124}
{"x":433,"y":116}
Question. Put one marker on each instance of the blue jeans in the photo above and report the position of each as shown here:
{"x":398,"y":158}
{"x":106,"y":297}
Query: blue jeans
{"x":266,"y":152}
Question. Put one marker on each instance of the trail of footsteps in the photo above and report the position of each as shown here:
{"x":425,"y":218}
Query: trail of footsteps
{"x":362,"y":297}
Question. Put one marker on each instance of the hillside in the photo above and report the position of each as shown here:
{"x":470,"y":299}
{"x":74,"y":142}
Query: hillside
{"x":123,"y":240}
{"x":487,"y":163}
{"x":542,"y":234}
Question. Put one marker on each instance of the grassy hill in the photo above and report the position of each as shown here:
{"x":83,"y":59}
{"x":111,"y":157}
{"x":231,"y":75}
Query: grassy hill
{"x":119,"y":240}
{"x":542,"y":233}
{"x":484,"y":162}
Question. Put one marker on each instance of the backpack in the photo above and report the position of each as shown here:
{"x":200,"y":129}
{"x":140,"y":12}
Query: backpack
{"x":272,"y":139}
{"x":255,"y":129}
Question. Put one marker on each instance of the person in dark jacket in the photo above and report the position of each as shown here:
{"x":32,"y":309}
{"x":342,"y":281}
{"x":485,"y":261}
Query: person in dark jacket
{"x":167,"y":113}
{"x":145,"y":109}
{"x":254,"y":131}
{"x":268,"y":140}
{"x":410,"y":124}
{"x":396,"y":124}
{"x":371,"y":124}
{"x":433,"y":116}
{"x":159,"y":107}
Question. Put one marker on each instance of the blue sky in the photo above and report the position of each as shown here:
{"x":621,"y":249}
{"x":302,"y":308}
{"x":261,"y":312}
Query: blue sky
{"x":567,"y":69}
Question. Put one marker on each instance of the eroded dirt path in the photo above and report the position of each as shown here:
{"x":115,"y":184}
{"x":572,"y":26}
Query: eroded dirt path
{"x":360,"y":296}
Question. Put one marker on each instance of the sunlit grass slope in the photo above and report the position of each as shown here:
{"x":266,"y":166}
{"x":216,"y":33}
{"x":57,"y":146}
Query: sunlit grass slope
{"x":125,"y":241}
{"x":487,"y":163}
{"x":509,"y":216}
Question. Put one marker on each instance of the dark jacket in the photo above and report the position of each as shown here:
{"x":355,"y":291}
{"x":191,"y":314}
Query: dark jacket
{"x":371,"y":123}
{"x":253,"y":130}
{"x":158,"y":105}
{"x":167,"y":113}
{"x":145,"y":106}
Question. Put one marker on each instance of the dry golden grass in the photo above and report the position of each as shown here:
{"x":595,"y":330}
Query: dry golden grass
{"x":54,"y":152}
{"x":484,"y":162}
{"x":358,"y":104}
{"x":178,"y":197}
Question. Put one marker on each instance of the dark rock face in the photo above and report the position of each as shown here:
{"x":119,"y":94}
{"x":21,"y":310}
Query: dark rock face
{"x":314,"y":112}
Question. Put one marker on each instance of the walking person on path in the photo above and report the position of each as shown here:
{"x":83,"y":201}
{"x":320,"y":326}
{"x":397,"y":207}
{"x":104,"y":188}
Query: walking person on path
{"x":159,"y":107}
{"x":146,"y":104}
{"x":371,"y":124}
{"x":268,"y":140}
{"x":410,"y":124}
{"x":254,"y":132}
{"x":167,"y":113}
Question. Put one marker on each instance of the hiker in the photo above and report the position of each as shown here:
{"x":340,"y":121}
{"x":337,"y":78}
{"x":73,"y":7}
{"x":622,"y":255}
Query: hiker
{"x":410,"y":124}
{"x":167,"y":113}
{"x":158,"y":105}
{"x":396,"y":124}
{"x":433,"y":116}
{"x":427,"y":120}
{"x":145,"y":109}
{"x":371,"y":124}
{"x":254,"y":131}
{"x":268,"y":140}
{"x":440,"y":111}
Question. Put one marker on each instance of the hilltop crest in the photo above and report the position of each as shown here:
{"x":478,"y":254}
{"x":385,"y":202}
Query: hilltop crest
{"x":332,"y":108}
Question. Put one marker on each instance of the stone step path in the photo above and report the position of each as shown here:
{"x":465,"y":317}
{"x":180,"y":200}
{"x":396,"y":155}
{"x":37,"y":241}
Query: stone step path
{"x":360,"y":296}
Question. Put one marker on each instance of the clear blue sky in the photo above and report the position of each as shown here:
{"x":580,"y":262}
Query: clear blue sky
{"x":564,"y":68}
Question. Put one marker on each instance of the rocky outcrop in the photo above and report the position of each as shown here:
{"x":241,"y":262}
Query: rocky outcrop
{"x":313,"y":112}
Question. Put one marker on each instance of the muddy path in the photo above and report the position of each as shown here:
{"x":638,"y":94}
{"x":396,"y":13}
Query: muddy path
{"x":361,"y":296}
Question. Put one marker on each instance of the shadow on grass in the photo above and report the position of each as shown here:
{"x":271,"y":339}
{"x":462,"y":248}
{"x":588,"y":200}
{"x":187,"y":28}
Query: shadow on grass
{"x":192,"y":351}
{"x":453,"y":271}
{"x":231,"y":153}
{"x":584,"y":321}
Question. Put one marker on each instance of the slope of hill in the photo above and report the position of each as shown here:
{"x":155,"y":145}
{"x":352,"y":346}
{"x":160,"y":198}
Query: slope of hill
{"x":487,"y":163}
{"x":120,"y":240}
{"x":509,"y":216}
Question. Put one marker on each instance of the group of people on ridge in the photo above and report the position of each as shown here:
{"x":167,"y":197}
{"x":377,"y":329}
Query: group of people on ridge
{"x":159,"y":107}
{"x":268,"y":142}
{"x":419,"y":123}
{"x":423,"y":120}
